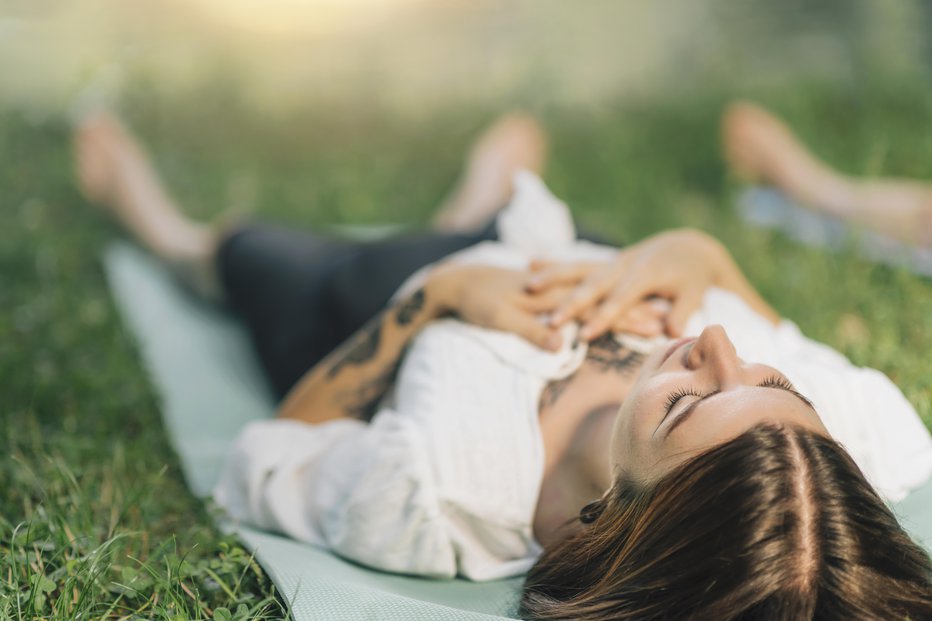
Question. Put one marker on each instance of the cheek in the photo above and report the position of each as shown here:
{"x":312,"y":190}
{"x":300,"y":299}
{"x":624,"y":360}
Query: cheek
{"x":632,"y":432}
{"x":633,"y":438}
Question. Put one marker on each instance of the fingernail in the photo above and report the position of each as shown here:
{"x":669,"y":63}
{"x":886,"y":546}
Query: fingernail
{"x":585,"y":334}
{"x":553,"y":342}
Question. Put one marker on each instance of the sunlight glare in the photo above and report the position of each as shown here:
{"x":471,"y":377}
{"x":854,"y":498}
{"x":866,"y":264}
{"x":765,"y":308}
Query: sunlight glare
{"x":281,"y":17}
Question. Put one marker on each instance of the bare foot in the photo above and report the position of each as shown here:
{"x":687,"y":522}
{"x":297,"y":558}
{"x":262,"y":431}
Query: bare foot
{"x":91,"y":165}
{"x":113,"y":170}
{"x":106,"y":157}
{"x":513,"y":142}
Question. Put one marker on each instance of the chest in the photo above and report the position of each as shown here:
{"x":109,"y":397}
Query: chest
{"x":601,"y":382}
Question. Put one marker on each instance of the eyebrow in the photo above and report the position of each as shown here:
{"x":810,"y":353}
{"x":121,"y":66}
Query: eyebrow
{"x":692,"y":406}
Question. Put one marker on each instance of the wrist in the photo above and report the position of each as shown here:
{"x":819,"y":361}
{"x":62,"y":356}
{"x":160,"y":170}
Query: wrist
{"x":440,"y":292}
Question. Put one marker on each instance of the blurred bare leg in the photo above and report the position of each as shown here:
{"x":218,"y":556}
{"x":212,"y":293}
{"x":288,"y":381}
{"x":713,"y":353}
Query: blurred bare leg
{"x":512,"y":142}
{"x":760,"y":148}
{"x":113,"y":170}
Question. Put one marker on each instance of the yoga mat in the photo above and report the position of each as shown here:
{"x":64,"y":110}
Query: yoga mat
{"x":915,"y":514}
{"x":768,"y":208}
{"x":210,"y":385}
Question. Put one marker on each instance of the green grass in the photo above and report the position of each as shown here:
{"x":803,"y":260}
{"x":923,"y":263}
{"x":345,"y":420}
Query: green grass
{"x":95,"y":521}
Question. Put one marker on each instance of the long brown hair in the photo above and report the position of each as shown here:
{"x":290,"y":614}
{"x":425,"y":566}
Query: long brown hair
{"x":778,"y":523}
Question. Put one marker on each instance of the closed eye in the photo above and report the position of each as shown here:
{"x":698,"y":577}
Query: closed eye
{"x":778,"y":381}
{"x":678,"y":394}
{"x":774,"y":381}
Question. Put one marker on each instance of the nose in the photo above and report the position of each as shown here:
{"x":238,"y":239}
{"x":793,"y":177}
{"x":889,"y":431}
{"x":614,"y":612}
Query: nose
{"x":713,"y":350}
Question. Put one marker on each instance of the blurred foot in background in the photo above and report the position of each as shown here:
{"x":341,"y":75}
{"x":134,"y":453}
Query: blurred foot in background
{"x":512,"y":142}
{"x":760,"y":148}
{"x":113,"y":170}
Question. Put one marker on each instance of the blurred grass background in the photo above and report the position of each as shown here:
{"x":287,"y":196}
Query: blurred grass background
{"x":319,"y":112}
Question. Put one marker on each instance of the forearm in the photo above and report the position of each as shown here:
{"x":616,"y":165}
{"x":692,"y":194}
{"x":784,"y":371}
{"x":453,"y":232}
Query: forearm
{"x":730,"y":277}
{"x":350,"y":381}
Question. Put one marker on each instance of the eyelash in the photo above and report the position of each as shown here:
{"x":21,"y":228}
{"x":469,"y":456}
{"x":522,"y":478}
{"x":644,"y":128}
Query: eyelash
{"x":778,"y":381}
{"x":774,"y":381}
{"x":679,"y":394}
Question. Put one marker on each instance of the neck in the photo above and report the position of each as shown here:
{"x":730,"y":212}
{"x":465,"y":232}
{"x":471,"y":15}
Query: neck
{"x":580,"y":474}
{"x":605,"y":377}
{"x":577,"y":415}
{"x":589,"y":453}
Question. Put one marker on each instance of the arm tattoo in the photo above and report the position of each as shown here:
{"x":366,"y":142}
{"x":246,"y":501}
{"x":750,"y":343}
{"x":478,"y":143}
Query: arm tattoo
{"x":359,"y":350}
{"x":410,"y":308}
{"x":362,"y":402}
{"x":610,"y":355}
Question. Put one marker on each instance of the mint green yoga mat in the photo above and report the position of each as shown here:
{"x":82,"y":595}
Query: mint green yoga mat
{"x":210,"y":385}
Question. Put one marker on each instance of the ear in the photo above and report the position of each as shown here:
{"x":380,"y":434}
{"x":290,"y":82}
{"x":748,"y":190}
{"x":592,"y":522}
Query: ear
{"x":591,"y":512}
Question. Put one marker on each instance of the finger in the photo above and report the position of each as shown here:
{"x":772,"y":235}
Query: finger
{"x":648,"y":328}
{"x":661,"y":305}
{"x":683,"y":306}
{"x":643,"y":311}
{"x":538,"y":265}
{"x":524,"y":324}
{"x":583,"y":298}
{"x":558,"y":275}
{"x":545,"y":301}
{"x":619,"y":304}
{"x":601,"y":321}
{"x":593,"y":289}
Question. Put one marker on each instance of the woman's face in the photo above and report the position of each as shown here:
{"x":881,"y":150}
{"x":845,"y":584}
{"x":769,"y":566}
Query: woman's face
{"x":696,"y":394}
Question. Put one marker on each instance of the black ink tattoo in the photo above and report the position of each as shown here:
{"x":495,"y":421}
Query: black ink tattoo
{"x":359,"y":350}
{"x":553,"y":390}
{"x":410,"y":308}
{"x":609,"y":355}
{"x":363,"y":401}
{"x":606,"y":341}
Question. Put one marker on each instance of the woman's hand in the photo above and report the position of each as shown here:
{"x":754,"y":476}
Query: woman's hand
{"x":496,"y":298}
{"x":677,"y":266}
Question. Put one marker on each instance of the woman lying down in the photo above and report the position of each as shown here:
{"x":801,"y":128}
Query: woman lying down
{"x":496,"y":397}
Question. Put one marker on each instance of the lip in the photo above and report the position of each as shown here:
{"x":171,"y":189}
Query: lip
{"x":676,"y":345}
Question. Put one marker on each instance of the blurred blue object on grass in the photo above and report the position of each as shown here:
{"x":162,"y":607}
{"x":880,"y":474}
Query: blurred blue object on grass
{"x":771,"y":209}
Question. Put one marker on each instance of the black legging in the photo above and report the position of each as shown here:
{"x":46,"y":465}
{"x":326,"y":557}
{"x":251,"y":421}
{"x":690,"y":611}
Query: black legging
{"x":302,"y":294}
